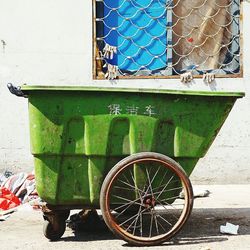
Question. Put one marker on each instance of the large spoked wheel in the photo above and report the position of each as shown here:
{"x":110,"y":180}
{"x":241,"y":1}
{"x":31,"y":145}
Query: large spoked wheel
{"x":140,"y":199}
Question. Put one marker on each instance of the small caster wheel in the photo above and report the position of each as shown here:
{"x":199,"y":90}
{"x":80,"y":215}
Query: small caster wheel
{"x":54,"y":231}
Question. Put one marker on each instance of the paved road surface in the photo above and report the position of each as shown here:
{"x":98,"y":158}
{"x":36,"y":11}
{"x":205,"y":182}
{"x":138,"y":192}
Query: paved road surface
{"x":228,"y":203}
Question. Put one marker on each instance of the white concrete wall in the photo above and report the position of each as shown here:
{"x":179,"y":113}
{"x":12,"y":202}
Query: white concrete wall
{"x":50,"y":42}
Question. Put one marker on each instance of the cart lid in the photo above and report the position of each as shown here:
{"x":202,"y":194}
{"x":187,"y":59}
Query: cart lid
{"x":28,"y":88}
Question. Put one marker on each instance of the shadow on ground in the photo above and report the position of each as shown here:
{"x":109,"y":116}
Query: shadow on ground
{"x":202,"y":227}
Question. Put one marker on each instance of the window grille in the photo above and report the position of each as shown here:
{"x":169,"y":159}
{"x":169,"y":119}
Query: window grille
{"x":163,"y":38}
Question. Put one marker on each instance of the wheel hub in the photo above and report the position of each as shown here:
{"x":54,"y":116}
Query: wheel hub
{"x":149,"y":201}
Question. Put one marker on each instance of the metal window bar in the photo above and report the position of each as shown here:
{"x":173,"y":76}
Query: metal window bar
{"x":166,"y":37}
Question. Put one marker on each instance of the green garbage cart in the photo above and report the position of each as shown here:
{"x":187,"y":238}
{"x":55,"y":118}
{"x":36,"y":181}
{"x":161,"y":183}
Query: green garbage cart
{"x":126,"y":151}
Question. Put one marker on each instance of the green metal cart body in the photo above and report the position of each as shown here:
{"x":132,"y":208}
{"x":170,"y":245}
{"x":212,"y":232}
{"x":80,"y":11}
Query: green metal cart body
{"x":122,"y":150}
{"x":78,"y":134}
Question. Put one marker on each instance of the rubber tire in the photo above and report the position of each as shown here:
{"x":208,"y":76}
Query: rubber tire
{"x":104,"y":194}
{"x":49,"y":231}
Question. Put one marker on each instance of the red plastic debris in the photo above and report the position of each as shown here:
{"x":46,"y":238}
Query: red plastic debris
{"x":7,"y":199}
{"x":190,"y":39}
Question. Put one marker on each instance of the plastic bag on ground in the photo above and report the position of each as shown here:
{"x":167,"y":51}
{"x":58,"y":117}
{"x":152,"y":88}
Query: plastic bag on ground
{"x":7,"y":199}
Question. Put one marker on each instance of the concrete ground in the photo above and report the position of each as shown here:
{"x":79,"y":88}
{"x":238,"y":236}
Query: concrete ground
{"x":226,"y":203}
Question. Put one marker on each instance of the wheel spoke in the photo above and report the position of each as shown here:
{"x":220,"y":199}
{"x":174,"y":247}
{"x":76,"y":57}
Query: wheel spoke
{"x":123,"y":211}
{"x":163,"y":177}
{"x":131,"y":217}
{"x":124,"y":222}
{"x":127,"y":184}
{"x":149,"y":182}
{"x":141,"y":220}
{"x":139,"y":212}
{"x":156,"y":223}
{"x":123,"y":188}
{"x":125,"y":199}
{"x":155,"y":174}
{"x":165,"y":220}
{"x":169,"y":204}
{"x":161,"y":224}
{"x":165,"y":186}
{"x":171,"y":198}
{"x":136,"y":187}
{"x":124,"y":204}
{"x":152,"y":180}
{"x":133,"y":222}
{"x":151,"y":225}
{"x":168,"y":190}
{"x":167,"y":209}
{"x":125,"y":177}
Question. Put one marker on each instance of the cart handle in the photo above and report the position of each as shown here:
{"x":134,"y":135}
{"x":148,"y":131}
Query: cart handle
{"x":16,"y":90}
